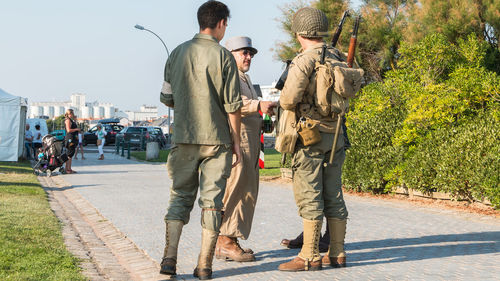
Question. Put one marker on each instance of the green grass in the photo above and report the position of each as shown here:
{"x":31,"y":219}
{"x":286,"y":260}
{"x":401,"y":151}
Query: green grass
{"x":141,"y":155}
{"x":31,"y":243}
{"x":272,"y":159}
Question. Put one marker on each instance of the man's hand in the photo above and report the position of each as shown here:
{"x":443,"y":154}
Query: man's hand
{"x":235,"y":124}
{"x":267,"y":107}
{"x":237,"y":151}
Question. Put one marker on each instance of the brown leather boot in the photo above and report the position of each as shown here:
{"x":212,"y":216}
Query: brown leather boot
{"x":336,"y":256}
{"x":204,"y":268}
{"x":229,"y":249}
{"x":309,"y":257}
{"x":298,"y":264}
{"x":172,"y":237}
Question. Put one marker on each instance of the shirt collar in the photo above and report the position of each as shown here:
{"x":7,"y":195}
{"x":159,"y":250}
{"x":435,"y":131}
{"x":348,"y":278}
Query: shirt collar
{"x":315,"y":46}
{"x":205,"y":36}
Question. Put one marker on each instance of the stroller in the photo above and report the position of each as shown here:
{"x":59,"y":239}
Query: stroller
{"x":51,"y":156}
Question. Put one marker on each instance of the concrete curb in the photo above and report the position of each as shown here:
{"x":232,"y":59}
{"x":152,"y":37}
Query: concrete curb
{"x":104,"y":251}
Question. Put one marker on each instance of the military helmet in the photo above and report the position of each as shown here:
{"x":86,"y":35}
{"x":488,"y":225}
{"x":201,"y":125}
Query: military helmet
{"x":310,"y":23}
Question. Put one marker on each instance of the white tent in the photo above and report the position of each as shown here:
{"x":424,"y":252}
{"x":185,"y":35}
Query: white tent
{"x":12,"y":121}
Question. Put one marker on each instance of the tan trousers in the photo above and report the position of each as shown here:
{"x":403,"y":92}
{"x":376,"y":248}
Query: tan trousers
{"x":243,"y":185}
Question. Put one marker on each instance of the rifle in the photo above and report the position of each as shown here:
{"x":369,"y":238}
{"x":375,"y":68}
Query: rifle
{"x":350,"y":60}
{"x":335,"y":38}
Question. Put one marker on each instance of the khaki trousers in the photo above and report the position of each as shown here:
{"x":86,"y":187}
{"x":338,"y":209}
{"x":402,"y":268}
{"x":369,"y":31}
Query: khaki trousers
{"x":318,"y":189}
{"x":243,"y":185}
{"x":205,"y":166}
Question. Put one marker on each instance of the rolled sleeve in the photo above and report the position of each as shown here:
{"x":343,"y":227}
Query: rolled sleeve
{"x":232,"y":107}
{"x":249,"y":105}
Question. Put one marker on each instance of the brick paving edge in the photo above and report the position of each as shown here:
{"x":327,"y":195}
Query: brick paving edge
{"x":104,"y":251}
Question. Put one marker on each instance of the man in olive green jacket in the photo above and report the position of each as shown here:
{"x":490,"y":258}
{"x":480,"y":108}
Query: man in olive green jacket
{"x":202,"y":85}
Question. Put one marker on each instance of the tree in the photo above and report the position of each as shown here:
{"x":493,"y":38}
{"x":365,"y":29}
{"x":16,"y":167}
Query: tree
{"x":384,"y":23}
{"x":456,"y":19}
{"x":288,"y":50}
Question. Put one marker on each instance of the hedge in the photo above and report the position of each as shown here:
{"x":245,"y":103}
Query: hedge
{"x":431,"y":125}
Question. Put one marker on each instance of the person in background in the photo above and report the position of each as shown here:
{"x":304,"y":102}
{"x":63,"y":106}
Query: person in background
{"x":101,"y":139}
{"x":37,"y":141}
{"x":70,"y":138}
{"x":79,"y":146}
{"x":28,"y":139}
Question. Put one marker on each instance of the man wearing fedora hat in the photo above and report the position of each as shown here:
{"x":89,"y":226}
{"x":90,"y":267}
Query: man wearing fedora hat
{"x":243,"y":184}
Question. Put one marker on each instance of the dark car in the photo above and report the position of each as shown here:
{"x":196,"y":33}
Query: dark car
{"x":159,"y":136}
{"x":111,"y":131}
{"x":134,"y":135}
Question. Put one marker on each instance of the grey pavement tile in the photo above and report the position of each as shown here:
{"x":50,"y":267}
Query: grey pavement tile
{"x":385,"y":240}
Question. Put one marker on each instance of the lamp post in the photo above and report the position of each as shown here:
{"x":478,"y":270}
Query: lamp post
{"x":140,"y":27}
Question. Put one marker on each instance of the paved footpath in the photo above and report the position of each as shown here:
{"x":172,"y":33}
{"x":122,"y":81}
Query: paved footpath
{"x":385,"y":240}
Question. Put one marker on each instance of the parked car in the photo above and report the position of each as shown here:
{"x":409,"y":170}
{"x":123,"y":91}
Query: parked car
{"x":134,"y":135}
{"x":159,"y":136}
{"x":90,"y":137}
{"x":58,"y":134}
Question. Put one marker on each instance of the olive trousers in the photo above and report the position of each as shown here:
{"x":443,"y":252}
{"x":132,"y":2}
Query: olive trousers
{"x":193,"y":166}
{"x":318,"y":188}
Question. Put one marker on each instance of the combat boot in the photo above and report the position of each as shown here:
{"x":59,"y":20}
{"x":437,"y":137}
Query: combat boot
{"x":309,"y":257}
{"x":229,"y":249}
{"x":172,"y":235}
{"x":336,"y":256}
{"x":204,"y":268}
{"x":294,"y":243}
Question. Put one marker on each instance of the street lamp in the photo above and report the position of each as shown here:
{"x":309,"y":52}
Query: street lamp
{"x":140,"y":27}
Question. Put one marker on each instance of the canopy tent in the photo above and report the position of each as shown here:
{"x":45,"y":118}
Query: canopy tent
{"x":12,"y":121}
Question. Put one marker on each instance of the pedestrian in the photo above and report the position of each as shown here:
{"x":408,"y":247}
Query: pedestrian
{"x":201,"y":84}
{"x":71,"y":138}
{"x":243,"y":185}
{"x":28,"y":141}
{"x":317,"y":184}
{"x":79,"y":147}
{"x":101,"y":139}
{"x":37,"y":141}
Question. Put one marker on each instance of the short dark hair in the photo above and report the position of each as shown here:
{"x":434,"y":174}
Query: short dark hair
{"x":211,"y":12}
{"x":37,"y":127}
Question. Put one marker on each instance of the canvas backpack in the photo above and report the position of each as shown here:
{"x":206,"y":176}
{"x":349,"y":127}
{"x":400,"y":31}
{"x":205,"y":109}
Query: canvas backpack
{"x":335,"y":84}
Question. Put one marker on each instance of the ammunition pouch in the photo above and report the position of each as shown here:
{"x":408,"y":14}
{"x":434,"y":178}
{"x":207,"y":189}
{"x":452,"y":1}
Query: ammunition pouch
{"x":308,"y":131}
{"x":286,"y":132}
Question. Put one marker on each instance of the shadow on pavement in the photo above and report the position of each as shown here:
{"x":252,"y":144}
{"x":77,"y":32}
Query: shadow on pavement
{"x":411,"y":249}
{"x":386,"y":251}
{"x":69,"y":187}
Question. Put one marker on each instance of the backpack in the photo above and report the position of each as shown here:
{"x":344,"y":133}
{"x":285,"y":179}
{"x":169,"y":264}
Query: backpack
{"x":335,"y":84}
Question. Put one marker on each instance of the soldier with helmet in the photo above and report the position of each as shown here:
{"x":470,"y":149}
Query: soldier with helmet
{"x":317,"y":184}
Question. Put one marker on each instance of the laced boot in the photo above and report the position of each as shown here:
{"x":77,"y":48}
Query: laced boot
{"x":229,"y":249}
{"x":204,"y":268}
{"x":309,"y":257}
{"x":336,"y":256}
{"x":172,"y":236}
{"x":294,"y":243}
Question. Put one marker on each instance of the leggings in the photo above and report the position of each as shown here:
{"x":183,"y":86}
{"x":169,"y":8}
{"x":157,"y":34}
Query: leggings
{"x":100,"y":147}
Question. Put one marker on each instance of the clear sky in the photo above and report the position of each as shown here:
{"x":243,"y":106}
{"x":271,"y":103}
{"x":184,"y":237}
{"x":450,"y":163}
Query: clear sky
{"x":50,"y":49}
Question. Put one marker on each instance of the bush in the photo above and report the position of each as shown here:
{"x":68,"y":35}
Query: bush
{"x":432,"y":125}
